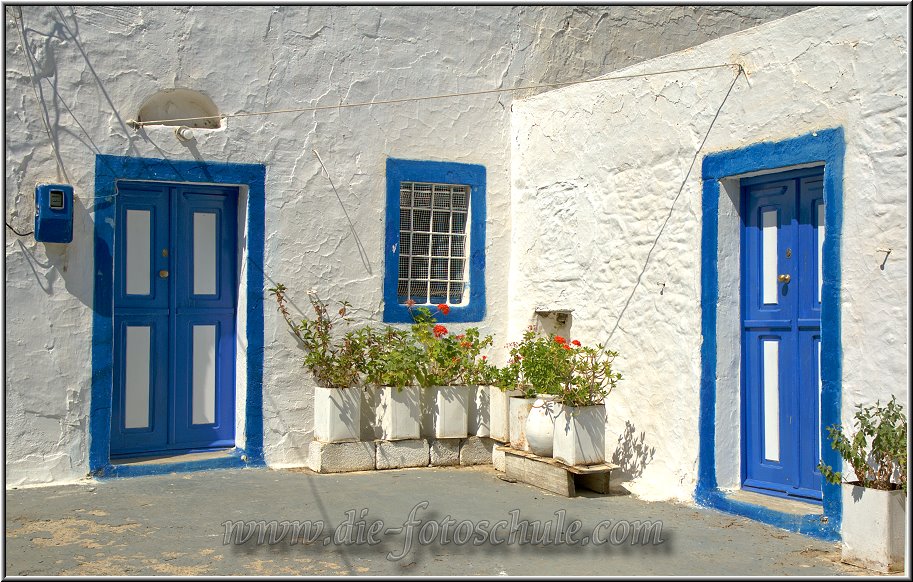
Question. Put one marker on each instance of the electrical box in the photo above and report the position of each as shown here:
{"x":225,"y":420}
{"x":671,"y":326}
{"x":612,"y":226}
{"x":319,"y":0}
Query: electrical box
{"x":54,"y":213}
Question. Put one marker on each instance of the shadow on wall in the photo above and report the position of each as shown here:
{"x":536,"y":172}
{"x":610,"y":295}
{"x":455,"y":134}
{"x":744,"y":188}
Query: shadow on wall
{"x":632,"y":454}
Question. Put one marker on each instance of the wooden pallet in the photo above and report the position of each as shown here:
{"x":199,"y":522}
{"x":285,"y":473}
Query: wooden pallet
{"x":553,"y":475}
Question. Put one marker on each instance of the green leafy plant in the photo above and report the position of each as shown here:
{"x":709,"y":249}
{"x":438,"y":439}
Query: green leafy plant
{"x":877,"y":451}
{"x":539,"y":364}
{"x":336,"y":362}
{"x":593,"y":376}
{"x":391,"y":358}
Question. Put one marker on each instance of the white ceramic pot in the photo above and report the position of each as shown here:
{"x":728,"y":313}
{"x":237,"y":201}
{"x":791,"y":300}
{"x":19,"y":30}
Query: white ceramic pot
{"x":447,"y":408}
{"x":873,"y":528}
{"x":480,"y":410}
{"x":579,"y":437}
{"x":540,"y":427}
{"x":519,"y":410}
{"x":398,"y":413}
{"x":499,"y":412}
{"x":337,"y":414}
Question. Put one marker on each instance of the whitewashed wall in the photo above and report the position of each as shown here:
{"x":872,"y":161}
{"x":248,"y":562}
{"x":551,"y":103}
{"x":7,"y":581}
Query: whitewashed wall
{"x":606,"y":217}
{"x":95,"y":65}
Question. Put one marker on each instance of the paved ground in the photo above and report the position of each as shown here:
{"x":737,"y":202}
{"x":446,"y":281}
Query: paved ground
{"x":173,"y":524}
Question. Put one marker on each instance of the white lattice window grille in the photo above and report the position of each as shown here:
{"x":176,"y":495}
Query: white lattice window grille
{"x":433,"y":241}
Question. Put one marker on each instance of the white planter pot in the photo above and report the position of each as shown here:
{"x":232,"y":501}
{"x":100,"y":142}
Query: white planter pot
{"x":398,"y":413}
{"x":499,"y":412}
{"x":446,"y":409}
{"x":540,"y":427}
{"x":480,"y":410}
{"x":337,"y":414}
{"x":579,"y":437}
{"x":873,"y":528}
{"x":519,"y":410}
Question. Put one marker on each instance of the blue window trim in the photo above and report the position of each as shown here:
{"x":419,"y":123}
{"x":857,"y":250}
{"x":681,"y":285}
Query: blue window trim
{"x":823,"y":146}
{"x":472,"y":175}
{"x":109,"y":169}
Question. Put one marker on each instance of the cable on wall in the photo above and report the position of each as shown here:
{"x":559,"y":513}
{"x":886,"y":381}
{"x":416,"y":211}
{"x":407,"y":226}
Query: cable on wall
{"x":138,"y":124}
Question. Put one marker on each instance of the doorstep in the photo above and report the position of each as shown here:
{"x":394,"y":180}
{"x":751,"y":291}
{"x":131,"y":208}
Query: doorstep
{"x":779,"y":504}
{"x":232,"y":458}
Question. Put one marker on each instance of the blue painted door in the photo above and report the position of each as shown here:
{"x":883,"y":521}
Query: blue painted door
{"x":783,"y":228}
{"x":175,"y":282}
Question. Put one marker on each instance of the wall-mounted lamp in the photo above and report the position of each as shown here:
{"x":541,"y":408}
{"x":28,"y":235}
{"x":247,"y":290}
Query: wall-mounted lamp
{"x":183,"y":133}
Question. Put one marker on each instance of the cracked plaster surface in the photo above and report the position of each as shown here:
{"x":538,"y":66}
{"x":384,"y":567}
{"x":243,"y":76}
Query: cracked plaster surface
{"x":93,"y":66}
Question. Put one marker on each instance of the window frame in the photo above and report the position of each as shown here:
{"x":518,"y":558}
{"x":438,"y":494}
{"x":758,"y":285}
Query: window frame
{"x":472,"y":175}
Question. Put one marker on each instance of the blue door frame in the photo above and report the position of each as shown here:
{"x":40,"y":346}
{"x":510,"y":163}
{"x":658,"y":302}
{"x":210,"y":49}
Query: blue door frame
{"x":825,"y":147}
{"x":108,"y":171}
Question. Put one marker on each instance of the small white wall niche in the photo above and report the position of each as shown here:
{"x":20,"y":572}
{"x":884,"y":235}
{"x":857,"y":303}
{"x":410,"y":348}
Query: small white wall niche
{"x":180,"y":108}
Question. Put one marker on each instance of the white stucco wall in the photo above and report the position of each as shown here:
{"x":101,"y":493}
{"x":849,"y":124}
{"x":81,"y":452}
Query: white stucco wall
{"x":606,"y":218}
{"x":95,"y":65}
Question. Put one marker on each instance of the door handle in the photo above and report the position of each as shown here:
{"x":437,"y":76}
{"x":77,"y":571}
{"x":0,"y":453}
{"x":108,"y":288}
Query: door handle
{"x":783,"y":278}
{"x":163,"y":274}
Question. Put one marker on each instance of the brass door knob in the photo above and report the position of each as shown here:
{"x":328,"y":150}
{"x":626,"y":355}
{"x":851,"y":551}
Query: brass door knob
{"x":163,"y":274}
{"x":783,"y":278}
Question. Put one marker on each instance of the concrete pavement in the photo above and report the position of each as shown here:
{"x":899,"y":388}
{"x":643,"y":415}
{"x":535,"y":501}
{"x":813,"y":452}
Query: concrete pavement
{"x":175,"y":524}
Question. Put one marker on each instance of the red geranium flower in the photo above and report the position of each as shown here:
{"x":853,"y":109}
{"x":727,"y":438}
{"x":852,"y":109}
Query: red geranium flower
{"x":439,"y":330}
{"x":560,"y":340}
{"x":484,"y":358}
{"x":443,"y":308}
{"x":410,"y":302}
{"x":565,"y":346}
{"x":576,"y":343}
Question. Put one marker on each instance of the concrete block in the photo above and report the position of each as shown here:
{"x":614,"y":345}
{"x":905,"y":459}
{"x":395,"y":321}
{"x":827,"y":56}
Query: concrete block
{"x":341,"y":457}
{"x":445,"y":452}
{"x":401,"y":454}
{"x":498,"y":460}
{"x":476,"y":451}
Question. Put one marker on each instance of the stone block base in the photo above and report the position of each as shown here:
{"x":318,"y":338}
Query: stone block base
{"x":445,"y":452}
{"x":402,"y":454}
{"x":498,"y":459}
{"x":476,"y":451}
{"x":341,"y":457}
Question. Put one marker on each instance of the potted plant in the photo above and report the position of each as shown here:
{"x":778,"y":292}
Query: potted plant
{"x":480,"y":376}
{"x":875,"y":504}
{"x":335,"y":362}
{"x":501,"y":384}
{"x":391,"y":362}
{"x":579,"y":431}
{"x":540,"y":365}
{"x":442,"y":373}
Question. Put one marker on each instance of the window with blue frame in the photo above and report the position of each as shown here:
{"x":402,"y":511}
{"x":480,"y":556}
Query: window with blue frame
{"x":435,"y":239}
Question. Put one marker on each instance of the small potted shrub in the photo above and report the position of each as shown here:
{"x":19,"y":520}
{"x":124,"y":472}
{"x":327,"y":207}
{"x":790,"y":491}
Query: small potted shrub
{"x":391,"y":363}
{"x":501,"y":384}
{"x":875,"y":504}
{"x":335,"y":362}
{"x":579,"y":433}
{"x":540,"y":365}
{"x":442,"y":372}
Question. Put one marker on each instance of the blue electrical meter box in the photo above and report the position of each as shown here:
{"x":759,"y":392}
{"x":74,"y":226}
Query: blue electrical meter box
{"x":54,"y":213}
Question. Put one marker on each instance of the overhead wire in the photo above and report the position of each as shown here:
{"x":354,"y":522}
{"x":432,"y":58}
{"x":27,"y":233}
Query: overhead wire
{"x":138,"y":124}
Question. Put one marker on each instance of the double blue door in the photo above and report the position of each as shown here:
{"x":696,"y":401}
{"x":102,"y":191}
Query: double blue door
{"x":175,"y":288}
{"x":783,"y":232}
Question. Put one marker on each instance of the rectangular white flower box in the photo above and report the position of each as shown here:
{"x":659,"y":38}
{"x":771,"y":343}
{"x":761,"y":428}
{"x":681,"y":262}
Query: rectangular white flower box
{"x":579,"y":437}
{"x":519,"y":411}
{"x":499,"y":412}
{"x":337,"y":414}
{"x":448,"y":408}
{"x":398,"y":413}
{"x":480,"y":410}
{"x":873,"y":530}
